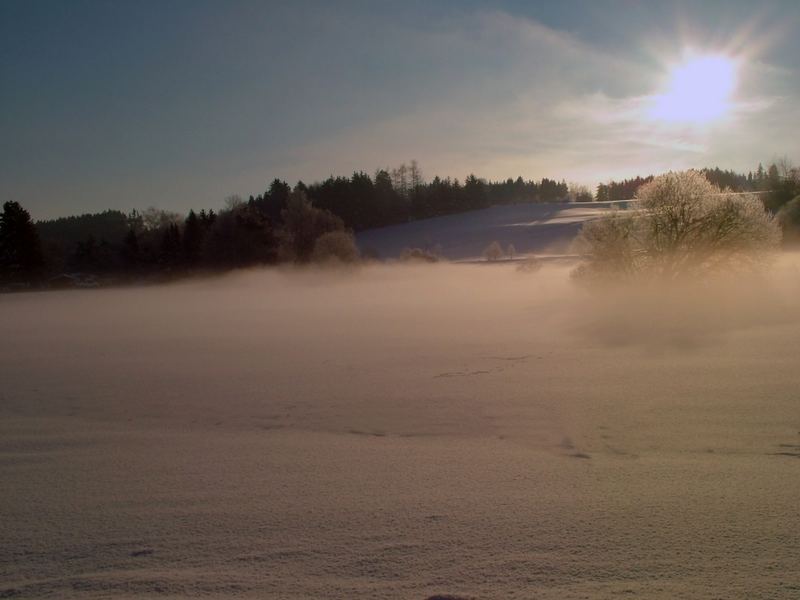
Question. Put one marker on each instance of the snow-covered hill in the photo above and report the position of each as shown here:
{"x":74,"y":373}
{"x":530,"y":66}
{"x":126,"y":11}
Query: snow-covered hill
{"x":531,"y":228}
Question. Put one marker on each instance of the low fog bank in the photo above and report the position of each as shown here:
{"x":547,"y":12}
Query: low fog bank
{"x":401,"y":431}
{"x":410,"y":350}
{"x":347,"y":309}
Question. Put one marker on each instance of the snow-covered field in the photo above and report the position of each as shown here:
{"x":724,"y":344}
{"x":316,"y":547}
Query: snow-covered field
{"x":531,"y":228}
{"x":399,"y":432}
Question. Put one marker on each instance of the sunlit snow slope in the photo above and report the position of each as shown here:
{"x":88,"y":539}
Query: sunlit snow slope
{"x":531,"y":228}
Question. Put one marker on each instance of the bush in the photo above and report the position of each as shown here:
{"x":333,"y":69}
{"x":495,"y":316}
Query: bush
{"x":335,"y":246}
{"x":684,"y":226}
{"x":418,"y":255}
{"x":530,"y":265}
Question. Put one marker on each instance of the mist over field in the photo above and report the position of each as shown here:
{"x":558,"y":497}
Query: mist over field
{"x":396,"y":431}
{"x":453,"y":300}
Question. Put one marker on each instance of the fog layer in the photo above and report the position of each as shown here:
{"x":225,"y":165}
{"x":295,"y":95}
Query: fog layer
{"x":401,"y":431}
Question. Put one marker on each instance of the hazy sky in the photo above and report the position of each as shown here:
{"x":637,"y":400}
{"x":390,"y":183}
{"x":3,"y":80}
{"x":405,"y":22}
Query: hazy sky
{"x":179,"y":104}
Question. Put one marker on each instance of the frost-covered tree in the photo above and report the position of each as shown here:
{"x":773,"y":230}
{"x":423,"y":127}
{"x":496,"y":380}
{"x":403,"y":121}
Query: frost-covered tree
{"x":335,"y":246}
{"x":493,"y":251}
{"x":684,"y":226}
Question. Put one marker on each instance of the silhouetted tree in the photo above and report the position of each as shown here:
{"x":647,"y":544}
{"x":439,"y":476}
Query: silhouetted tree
{"x":388,"y":206}
{"x":170,"y":251}
{"x":94,"y":257}
{"x":239,"y":237}
{"x":21,"y":255}
{"x":621,"y":190}
{"x":728,"y":180}
{"x":66,"y":232}
{"x":476,"y":194}
{"x":193,"y":234}
{"x":275,"y":199}
{"x":130,"y":250}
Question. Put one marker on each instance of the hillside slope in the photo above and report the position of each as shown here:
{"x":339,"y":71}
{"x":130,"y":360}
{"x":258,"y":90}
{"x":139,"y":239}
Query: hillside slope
{"x":531,"y":228}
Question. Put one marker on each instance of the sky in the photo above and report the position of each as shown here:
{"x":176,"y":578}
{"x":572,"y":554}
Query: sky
{"x":179,"y":104}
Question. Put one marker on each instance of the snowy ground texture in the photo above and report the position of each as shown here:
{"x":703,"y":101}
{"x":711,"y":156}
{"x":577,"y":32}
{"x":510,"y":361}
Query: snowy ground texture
{"x":401,"y":432}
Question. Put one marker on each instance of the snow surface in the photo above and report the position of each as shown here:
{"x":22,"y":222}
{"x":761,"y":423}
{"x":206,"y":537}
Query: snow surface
{"x":400,"y":432}
{"x":532,"y":229}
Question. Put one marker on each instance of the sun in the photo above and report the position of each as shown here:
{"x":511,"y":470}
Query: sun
{"x":698,"y":91}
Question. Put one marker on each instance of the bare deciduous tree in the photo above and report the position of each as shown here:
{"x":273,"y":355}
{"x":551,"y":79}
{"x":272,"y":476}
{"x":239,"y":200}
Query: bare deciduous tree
{"x":417,"y":180}
{"x":154,"y":218}
{"x":233,"y":202}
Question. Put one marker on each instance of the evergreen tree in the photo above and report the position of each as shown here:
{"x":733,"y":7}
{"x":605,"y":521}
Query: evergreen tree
{"x":86,"y":255}
{"x":130,"y":249}
{"x":170,"y":250}
{"x":21,"y":255}
{"x":760,"y":176}
{"x":773,"y":176}
{"x":193,"y":234}
{"x":275,"y":199}
{"x":475,"y":193}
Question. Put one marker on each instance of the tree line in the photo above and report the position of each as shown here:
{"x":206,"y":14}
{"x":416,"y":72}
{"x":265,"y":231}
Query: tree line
{"x":297,"y":224}
{"x":779,"y":179}
{"x":291,"y":224}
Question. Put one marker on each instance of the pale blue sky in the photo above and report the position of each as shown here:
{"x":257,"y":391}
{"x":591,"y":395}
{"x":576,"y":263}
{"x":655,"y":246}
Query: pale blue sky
{"x":180,"y":103}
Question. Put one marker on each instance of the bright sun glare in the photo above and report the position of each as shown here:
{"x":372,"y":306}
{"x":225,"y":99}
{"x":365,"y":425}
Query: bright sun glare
{"x":699,"y":91}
